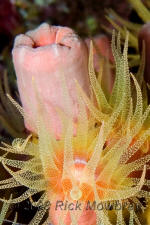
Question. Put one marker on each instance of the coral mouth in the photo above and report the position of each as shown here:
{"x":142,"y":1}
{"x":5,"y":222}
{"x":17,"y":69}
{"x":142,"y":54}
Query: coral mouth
{"x":47,"y":35}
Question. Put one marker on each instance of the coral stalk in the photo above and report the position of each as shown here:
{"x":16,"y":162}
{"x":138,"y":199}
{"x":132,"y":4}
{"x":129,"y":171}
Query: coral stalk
{"x":45,"y":59}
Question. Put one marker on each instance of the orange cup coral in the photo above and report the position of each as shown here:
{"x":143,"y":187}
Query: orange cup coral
{"x":46,"y":59}
{"x":96,"y":164}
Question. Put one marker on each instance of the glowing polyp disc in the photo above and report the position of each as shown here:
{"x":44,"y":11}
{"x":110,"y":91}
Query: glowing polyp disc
{"x":76,"y":194}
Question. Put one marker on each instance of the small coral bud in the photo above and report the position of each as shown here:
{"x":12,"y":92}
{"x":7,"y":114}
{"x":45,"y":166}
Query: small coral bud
{"x":144,"y":36}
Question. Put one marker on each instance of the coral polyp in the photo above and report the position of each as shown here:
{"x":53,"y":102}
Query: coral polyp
{"x":102,"y":158}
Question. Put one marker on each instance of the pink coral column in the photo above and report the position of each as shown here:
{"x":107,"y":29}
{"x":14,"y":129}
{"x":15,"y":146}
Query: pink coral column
{"x":45,"y":59}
